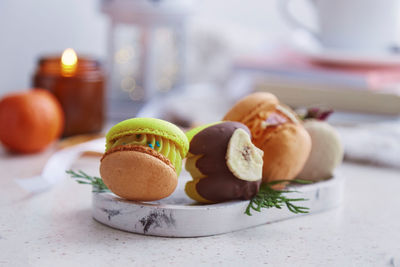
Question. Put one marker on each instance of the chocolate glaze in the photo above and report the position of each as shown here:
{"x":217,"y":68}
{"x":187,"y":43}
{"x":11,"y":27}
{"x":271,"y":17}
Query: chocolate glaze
{"x":220,"y":184}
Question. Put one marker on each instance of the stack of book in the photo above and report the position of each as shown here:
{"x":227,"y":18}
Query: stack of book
{"x":299,"y":82}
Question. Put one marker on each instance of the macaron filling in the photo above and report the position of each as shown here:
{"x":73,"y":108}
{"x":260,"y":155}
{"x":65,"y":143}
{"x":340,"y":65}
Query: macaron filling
{"x":141,"y":149}
{"x":157,"y":143}
{"x":151,"y":126}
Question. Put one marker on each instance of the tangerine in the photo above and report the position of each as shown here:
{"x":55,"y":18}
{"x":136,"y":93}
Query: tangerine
{"x":30,"y":121}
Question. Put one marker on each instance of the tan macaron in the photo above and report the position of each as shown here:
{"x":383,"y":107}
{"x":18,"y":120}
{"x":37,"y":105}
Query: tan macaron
{"x":276,"y":130}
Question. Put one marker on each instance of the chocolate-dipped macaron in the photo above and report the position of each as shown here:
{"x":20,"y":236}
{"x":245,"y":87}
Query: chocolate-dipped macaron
{"x":224,"y":163}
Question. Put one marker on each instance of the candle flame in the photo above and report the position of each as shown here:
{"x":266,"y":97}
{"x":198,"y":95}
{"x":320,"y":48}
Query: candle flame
{"x":69,"y":58}
{"x":68,"y":62}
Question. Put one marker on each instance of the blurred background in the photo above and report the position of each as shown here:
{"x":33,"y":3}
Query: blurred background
{"x":30,"y":29}
{"x":188,"y":61}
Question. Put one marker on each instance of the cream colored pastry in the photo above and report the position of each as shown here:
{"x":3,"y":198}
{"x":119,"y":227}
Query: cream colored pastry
{"x":326,"y":152}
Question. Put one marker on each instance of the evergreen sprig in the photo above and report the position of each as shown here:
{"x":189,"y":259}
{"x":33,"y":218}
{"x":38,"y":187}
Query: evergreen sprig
{"x":267,"y":197}
{"x":81,"y":177}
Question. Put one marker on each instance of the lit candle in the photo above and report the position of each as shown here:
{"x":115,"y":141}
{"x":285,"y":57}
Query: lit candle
{"x":69,"y":62}
{"x":79,"y":86}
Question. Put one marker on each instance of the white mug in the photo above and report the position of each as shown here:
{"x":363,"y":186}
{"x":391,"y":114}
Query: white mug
{"x":353,"y":25}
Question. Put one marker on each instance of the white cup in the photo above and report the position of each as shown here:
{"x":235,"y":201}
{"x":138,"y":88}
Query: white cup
{"x":352,"y":25}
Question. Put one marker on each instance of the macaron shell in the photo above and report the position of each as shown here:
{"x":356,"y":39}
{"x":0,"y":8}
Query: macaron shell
{"x":251,"y":105}
{"x":149,"y":126}
{"x":160,"y":144}
{"x":285,"y":152}
{"x":138,"y":176}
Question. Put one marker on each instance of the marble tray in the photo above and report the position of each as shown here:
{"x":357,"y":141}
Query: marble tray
{"x":179,"y":216}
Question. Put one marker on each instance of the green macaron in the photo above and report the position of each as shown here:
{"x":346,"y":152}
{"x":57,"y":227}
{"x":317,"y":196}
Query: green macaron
{"x":162,"y":136}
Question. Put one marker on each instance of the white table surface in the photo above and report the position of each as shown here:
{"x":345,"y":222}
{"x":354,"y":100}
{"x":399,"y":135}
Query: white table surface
{"x":55,"y":228}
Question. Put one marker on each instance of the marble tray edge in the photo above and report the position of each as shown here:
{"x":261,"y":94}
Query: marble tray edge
{"x":194,"y":221}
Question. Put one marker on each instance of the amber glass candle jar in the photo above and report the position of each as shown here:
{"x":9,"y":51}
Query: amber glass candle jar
{"x":79,"y":86}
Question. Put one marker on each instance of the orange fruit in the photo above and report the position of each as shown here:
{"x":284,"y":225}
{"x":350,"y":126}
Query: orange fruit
{"x":30,"y":121}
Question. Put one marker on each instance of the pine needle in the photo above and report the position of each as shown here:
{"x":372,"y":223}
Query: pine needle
{"x":267,"y":197}
{"x":81,"y":177}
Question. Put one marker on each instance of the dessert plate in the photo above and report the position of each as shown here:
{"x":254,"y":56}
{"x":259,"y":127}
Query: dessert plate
{"x":179,"y":216}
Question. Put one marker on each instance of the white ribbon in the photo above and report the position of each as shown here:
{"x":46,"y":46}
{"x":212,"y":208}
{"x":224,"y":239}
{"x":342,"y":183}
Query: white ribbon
{"x":54,"y":170}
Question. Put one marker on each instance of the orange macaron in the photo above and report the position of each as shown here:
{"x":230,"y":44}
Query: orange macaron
{"x":276,"y":130}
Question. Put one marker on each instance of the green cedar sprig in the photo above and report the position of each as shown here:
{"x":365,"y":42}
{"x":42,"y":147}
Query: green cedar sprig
{"x":81,"y":177}
{"x":267,"y":197}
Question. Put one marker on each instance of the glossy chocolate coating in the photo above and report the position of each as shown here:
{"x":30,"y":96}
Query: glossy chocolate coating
{"x":220,"y":184}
